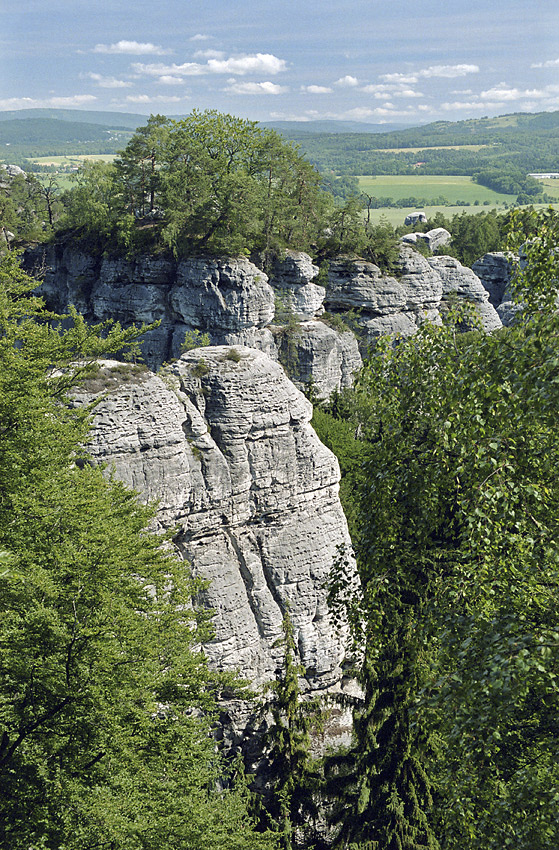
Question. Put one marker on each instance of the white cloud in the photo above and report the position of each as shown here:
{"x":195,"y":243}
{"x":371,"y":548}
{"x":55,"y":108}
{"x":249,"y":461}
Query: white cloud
{"x":258,"y":63}
{"x":470,"y":105}
{"x":255,"y":88}
{"x":381,"y":90}
{"x":407,"y":93}
{"x":504,"y":93}
{"x":551,"y":63}
{"x":209,"y":54}
{"x":135,"y":48}
{"x":158,"y":69}
{"x":200,"y":37}
{"x":146,"y":98}
{"x":107,"y":82}
{"x":34,"y":103}
{"x":169,"y":80}
{"x":347,"y":81}
{"x":317,"y":89}
{"x":446,"y":71}
{"x":399,"y":78}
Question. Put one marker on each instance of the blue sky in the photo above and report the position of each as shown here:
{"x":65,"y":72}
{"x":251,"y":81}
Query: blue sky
{"x":387,"y":61}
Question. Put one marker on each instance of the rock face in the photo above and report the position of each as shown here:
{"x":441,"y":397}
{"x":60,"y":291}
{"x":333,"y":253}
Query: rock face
{"x":494,"y":271}
{"x":236,"y":303}
{"x":292,"y":278}
{"x":222,"y":440}
{"x":463,"y":283}
{"x":229,"y":298}
{"x":399,"y":305}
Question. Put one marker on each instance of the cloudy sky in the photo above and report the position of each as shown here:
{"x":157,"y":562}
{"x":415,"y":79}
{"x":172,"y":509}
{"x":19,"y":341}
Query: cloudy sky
{"x":408,"y":61}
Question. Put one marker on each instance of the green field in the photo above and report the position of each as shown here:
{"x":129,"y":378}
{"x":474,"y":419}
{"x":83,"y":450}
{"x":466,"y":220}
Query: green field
{"x":72,"y":159}
{"x":429,"y":186}
{"x":396,"y":216}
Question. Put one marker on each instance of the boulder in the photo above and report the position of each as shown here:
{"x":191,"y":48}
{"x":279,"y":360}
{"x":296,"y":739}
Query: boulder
{"x":434,"y":239}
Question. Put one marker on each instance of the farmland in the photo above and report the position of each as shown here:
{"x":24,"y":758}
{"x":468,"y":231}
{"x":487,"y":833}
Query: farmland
{"x":453,"y":188}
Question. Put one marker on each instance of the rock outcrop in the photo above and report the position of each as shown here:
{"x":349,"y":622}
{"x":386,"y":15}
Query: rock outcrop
{"x":399,"y":304}
{"x":282,"y":314}
{"x":229,"y":298}
{"x":461,"y":282}
{"x":494,"y":271}
{"x":434,"y":239}
{"x":222,"y":440}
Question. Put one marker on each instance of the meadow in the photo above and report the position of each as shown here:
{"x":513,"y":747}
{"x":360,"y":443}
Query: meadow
{"x":429,"y":186}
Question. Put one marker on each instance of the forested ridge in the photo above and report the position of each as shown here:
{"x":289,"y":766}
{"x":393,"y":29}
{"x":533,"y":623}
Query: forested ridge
{"x":447,"y":445}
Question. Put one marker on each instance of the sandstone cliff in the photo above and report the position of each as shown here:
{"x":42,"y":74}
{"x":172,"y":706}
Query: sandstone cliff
{"x":282,"y":313}
{"x":222,"y":440}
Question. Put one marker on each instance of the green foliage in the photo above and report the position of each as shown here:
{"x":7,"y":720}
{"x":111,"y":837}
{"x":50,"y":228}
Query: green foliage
{"x":195,"y":339}
{"x":457,"y":513}
{"x":234,"y":355}
{"x":510,"y":181}
{"x":28,"y":208}
{"x":105,"y":701}
{"x":208,"y":184}
{"x":289,"y":332}
{"x":287,"y":761}
{"x":348,"y":233}
{"x":473,"y":235}
{"x":522,"y":142}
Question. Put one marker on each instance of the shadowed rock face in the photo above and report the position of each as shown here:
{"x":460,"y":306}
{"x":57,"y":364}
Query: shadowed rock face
{"x":223,"y":442}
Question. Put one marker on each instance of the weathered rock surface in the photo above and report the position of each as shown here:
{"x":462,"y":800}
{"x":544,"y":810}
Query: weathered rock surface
{"x":292,"y":277}
{"x":385,"y":304}
{"x":460,"y":281}
{"x":494,"y":271}
{"x":319,"y":350}
{"x":222,"y":440}
{"x":228,"y":298}
{"x":434,"y":239}
{"x":235,"y":302}
{"x":399,"y":305}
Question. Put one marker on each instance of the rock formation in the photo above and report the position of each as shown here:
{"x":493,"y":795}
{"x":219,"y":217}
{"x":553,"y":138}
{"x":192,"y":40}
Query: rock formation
{"x":282,"y":314}
{"x":461,"y":282}
{"x":399,"y":304}
{"x":229,"y":298}
{"x":494,"y":272}
{"x":434,"y":239}
{"x":222,"y":440}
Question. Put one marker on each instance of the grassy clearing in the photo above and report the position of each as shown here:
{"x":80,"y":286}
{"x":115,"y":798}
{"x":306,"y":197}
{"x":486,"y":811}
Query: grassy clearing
{"x":431,"y":186}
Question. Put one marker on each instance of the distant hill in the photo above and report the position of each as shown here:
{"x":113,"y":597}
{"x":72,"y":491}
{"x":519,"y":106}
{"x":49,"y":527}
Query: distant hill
{"x":78,"y":116}
{"x":31,"y":131}
{"x":295,"y":129}
{"x":525,"y":141}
